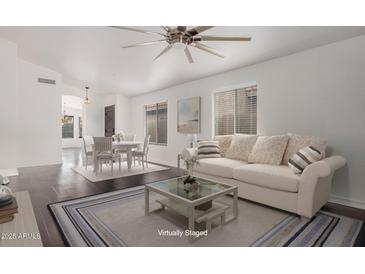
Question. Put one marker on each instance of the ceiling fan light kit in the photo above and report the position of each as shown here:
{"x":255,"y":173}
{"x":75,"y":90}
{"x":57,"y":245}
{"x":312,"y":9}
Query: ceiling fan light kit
{"x":181,"y":38}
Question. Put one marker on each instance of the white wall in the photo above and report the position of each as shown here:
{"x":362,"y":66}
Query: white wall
{"x":319,"y":92}
{"x":39,"y":116}
{"x":122,"y":113}
{"x":94,"y":112}
{"x":8,"y":89}
{"x":30,"y":112}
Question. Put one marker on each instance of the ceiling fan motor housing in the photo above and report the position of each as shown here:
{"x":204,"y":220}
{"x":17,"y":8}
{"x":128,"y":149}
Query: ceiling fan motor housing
{"x":179,"y":38}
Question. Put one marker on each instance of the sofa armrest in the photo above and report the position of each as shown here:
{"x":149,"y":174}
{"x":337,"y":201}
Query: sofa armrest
{"x":188,"y":153}
{"x":316,"y":183}
{"x":323,"y":168}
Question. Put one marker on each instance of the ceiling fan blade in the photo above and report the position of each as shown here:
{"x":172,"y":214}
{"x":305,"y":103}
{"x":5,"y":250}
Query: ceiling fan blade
{"x":188,"y":55}
{"x":144,"y":44}
{"x":164,"y":51}
{"x":222,"y":38}
{"x":138,"y":30}
{"x":205,"y":46}
{"x":181,"y":28}
{"x":207,"y":49}
{"x":166,"y":28}
{"x":197,"y":30}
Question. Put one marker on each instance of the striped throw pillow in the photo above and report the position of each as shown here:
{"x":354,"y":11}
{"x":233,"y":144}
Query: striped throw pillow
{"x":303,"y":158}
{"x":208,"y":149}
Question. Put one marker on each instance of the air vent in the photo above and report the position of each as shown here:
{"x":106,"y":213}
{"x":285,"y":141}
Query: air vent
{"x":46,"y":81}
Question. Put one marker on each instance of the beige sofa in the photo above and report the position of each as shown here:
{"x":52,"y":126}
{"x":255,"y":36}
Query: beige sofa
{"x":276,"y":186}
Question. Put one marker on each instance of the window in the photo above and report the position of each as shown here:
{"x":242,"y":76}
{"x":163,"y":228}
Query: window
{"x":68,"y":127}
{"x":80,"y":127}
{"x":236,"y":111}
{"x":156,"y":123}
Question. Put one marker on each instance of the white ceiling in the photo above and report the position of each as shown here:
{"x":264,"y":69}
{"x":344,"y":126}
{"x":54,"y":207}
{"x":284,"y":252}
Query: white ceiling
{"x":93,"y":55}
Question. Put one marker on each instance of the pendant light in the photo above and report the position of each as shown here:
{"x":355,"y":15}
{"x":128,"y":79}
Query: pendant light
{"x":64,"y":116}
{"x":87,"y":100}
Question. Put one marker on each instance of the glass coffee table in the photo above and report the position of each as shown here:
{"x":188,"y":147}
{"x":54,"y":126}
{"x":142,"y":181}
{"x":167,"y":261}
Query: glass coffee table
{"x":197,"y":203}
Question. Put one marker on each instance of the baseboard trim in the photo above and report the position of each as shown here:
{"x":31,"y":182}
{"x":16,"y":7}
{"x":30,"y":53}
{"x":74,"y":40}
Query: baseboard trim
{"x":347,"y":202}
{"x":9,"y":172}
{"x":40,"y":164}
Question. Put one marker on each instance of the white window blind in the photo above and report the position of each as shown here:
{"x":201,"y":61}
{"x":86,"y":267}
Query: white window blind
{"x":236,"y":111}
{"x":156,"y":122}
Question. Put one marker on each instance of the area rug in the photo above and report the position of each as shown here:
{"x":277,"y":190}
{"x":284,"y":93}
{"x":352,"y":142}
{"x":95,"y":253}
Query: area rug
{"x":106,"y":173}
{"x":117,"y":219}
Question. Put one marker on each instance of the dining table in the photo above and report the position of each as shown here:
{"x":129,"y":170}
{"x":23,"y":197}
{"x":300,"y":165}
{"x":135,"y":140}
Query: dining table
{"x":127,"y":146}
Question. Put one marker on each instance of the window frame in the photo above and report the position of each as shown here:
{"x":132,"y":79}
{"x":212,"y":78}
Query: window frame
{"x":156,"y":126}
{"x":73,"y":127}
{"x":227,"y":89}
{"x":79,"y":125}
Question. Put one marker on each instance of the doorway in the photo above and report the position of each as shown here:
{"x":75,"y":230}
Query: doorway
{"x":109,"y":121}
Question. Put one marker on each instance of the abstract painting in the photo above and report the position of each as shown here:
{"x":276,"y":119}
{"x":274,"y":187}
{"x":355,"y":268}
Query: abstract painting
{"x":188,"y":115}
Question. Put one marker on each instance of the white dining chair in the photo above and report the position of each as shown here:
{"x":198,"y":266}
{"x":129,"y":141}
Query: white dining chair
{"x":88,"y":142}
{"x":141,"y":155}
{"x":103,"y":148}
{"x":123,"y":152}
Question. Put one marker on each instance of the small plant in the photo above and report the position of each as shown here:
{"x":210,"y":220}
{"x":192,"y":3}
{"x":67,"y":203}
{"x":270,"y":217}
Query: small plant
{"x":190,"y":164}
{"x":118,"y":137}
{"x":189,"y":180}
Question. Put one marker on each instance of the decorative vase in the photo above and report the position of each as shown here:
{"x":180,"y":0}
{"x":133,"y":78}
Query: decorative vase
{"x":187,"y":187}
{"x":195,"y":185}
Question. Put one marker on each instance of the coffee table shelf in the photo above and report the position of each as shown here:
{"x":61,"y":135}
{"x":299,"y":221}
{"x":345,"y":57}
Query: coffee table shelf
{"x":184,"y":202}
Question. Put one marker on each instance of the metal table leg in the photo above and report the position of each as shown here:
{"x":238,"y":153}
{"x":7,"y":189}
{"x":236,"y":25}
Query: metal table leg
{"x":129,"y":158}
{"x":146,"y":201}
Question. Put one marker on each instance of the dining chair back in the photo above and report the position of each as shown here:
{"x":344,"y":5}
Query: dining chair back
{"x":141,"y":155}
{"x":146,"y":143}
{"x":103,"y":144}
{"x":103,"y":149}
{"x":88,"y":142}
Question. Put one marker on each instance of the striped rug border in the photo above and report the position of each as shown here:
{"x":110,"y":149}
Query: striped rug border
{"x":315,"y":232}
{"x":355,"y":238}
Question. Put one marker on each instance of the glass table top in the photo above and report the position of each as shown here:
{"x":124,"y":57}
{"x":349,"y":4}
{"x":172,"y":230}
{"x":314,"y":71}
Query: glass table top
{"x":190,"y":192}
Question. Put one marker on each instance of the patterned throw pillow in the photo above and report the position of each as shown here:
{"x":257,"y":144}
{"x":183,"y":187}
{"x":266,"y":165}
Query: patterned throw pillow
{"x":303,"y":158}
{"x":208,"y":149}
{"x":268,"y":150}
{"x":241,"y":147}
{"x":224,"y":143}
{"x":297,"y":142}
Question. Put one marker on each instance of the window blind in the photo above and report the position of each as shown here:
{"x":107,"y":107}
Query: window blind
{"x":236,"y":111}
{"x":156,"y":122}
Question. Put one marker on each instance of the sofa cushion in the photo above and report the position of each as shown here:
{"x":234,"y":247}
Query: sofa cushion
{"x":297,"y":142}
{"x":222,"y":167}
{"x":208,"y":149}
{"x":303,"y":158}
{"x":268,"y":150}
{"x":241,"y":147}
{"x":269,"y":176}
{"x":224,"y":143}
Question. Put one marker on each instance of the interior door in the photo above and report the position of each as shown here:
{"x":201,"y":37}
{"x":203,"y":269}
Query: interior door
{"x":109,"y":121}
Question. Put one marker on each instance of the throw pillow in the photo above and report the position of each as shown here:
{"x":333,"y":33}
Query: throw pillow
{"x":241,"y":147}
{"x":303,"y":158}
{"x":224,"y":143}
{"x":297,"y":142}
{"x":268,"y":150}
{"x":208,"y":149}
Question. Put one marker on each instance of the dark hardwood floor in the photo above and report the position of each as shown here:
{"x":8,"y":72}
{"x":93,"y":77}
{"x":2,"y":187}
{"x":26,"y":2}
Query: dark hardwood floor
{"x":49,"y":184}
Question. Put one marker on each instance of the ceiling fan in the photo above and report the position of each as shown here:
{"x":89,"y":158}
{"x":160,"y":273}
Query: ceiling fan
{"x":181,"y":38}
